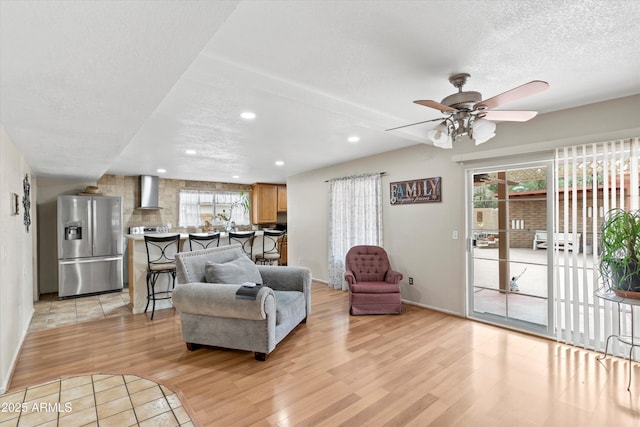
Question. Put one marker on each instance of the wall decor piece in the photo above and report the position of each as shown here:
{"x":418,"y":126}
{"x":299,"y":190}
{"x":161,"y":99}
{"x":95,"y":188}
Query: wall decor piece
{"x":14,"y":203}
{"x":26,"y":202}
{"x":424,"y":190}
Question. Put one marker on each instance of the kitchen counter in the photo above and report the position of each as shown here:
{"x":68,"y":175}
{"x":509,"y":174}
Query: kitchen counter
{"x":137,"y":264}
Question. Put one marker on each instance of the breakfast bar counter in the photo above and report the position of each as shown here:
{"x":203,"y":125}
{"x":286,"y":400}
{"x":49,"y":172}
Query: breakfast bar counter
{"x":137,"y":265}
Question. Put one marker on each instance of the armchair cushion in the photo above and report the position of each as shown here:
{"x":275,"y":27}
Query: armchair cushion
{"x":369,"y":267}
{"x":288,"y":304}
{"x":236,"y":271}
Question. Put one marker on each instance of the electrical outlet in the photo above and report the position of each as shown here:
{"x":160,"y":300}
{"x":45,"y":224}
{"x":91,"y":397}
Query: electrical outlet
{"x":411,"y":280}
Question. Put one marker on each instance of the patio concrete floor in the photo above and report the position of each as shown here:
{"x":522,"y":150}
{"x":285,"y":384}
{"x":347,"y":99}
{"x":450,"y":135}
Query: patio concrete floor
{"x":530,"y":303}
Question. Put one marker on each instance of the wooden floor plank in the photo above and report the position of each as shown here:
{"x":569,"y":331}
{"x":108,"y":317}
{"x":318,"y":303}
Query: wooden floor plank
{"x":419,"y":368}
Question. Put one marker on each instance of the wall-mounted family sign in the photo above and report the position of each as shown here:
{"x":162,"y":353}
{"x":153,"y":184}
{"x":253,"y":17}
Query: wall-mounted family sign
{"x":416,"y":191}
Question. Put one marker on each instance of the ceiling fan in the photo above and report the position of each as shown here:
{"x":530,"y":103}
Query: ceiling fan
{"x":467,"y":114}
{"x":485,"y":178}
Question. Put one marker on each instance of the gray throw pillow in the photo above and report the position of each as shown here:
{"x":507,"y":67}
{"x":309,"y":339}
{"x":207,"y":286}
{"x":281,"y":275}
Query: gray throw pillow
{"x":237,"y":271}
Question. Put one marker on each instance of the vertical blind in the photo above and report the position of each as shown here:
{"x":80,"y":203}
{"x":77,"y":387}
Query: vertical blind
{"x":591,"y":180}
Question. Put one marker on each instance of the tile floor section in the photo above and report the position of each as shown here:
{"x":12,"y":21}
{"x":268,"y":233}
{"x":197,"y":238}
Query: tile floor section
{"x":94,"y":400}
{"x":51,"y":312}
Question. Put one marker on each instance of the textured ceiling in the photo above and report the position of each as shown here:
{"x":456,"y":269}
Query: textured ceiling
{"x":125,"y":87}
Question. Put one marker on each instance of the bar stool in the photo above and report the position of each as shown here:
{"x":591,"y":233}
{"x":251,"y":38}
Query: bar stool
{"x":271,"y":245}
{"x":203,"y":241}
{"x":160,"y":260}
{"x":245,"y":239}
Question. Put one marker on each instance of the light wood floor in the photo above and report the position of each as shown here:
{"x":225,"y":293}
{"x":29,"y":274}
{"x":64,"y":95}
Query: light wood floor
{"x":420,"y":368}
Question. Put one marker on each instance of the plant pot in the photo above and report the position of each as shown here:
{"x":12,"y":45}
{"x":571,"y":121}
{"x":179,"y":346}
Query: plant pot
{"x":627,"y":294}
{"x":626,"y":277}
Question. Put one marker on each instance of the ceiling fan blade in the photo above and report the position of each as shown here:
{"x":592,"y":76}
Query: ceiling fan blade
{"x":436,"y":105}
{"x":484,"y":178}
{"x":527,"y":89}
{"x":510,"y":116}
{"x":412,"y":124}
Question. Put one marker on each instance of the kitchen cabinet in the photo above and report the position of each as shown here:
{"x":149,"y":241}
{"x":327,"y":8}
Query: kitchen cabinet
{"x":282,"y":198}
{"x":264,"y":203}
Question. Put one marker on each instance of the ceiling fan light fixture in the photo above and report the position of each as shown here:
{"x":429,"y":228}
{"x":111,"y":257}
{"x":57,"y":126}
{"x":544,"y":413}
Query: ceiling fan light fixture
{"x":482,"y":141}
{"x":446,"y":143}
{"x":482,"y":130}
{"x":440,"y":137}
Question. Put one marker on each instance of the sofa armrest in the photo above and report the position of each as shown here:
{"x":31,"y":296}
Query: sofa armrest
{"x":218,"y":300}
{"x":393,"y":277}
{"x":281,"y":278}
{"x":349,"y":277}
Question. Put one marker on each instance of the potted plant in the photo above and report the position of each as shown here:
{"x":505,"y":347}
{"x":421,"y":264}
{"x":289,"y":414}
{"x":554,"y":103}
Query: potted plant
{"x":620,"y":249}
{"x":241,"y":203}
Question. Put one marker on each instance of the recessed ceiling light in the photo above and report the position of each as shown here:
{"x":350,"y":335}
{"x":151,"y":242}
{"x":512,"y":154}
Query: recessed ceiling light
{"x":279,"y":163}
{"x":248,"y":115}
{"x":161,"y":170}
{"x":190,"y":152}
{"x":235,"y":176}
{"x":353,"y":139}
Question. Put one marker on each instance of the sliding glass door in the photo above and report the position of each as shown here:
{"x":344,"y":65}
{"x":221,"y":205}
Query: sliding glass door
{"x":510,"y":218}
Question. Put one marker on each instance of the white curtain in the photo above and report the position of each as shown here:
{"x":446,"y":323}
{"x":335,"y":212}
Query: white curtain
{"x":196,"y":204}
{"x":592,"y":179}
{"x":228,"y":199}
{"x":189,"y":208}
{"x":355,"y":218}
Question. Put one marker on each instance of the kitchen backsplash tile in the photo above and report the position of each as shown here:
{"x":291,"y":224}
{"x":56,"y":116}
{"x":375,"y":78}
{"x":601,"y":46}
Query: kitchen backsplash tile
{"x":127,"y":187}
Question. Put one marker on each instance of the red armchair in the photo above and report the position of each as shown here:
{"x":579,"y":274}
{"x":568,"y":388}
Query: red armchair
{"x":373,"y":286}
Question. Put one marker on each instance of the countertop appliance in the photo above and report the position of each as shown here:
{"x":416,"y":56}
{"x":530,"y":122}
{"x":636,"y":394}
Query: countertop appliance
{"x":149,"y":229}
{"x":89,"y":245}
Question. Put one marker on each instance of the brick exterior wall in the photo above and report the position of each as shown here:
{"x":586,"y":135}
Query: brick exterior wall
{"x":533,"y":212}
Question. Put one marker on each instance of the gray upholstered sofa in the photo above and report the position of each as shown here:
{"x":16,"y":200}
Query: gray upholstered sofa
{"x":214,"y":314}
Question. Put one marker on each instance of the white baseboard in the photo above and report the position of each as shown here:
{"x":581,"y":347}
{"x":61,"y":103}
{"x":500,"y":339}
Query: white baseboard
{"x":453,"y":313}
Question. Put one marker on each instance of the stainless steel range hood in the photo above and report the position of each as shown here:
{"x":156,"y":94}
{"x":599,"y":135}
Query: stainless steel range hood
{"x":149,"y":192}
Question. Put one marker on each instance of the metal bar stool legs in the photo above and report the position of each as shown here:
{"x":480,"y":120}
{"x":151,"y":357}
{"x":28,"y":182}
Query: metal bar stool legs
{"x":152,"y":295}
{"x":161,"y":251}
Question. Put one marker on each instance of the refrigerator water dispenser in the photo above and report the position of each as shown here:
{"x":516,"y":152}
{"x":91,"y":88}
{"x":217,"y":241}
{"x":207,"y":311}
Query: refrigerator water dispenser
{"x":72,"y":232}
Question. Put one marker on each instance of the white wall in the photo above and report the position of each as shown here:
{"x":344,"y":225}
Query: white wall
{"x":418,"y":237}
{"x":17,"y":258}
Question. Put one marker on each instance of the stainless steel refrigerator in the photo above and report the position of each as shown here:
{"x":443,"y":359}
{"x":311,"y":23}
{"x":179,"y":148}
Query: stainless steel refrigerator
{"x":89,"y":245}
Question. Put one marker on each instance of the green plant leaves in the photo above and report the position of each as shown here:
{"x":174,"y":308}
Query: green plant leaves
{"x":620,"y":247}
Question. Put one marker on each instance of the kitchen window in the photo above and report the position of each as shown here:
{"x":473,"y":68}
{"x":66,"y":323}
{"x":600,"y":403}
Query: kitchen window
{"x":211,"y":208}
